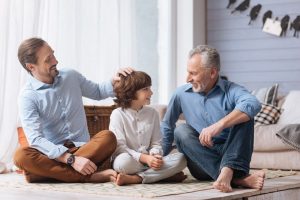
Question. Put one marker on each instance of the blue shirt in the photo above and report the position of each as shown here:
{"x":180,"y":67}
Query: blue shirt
{"x":201,"y":111}
{"x":53,"y":113}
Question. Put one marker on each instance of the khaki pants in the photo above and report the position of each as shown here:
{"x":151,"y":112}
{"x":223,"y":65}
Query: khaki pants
{"x":36,"y":164}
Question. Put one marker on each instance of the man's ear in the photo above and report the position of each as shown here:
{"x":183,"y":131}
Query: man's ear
{"x":214,"y":72}
{"x":29,"y":66}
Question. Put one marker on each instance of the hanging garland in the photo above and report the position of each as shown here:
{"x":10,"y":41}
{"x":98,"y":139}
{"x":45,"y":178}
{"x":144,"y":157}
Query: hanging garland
{"x":284,"y":22}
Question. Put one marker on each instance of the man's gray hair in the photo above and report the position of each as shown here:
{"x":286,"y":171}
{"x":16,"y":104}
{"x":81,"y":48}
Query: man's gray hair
{"x":209,"y":55}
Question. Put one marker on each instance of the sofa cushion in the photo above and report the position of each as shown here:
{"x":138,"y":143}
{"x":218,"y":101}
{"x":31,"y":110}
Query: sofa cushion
{"x":290,"y":135}
{"x":291,"y":109}
{"x":268,"y":114}
{"x":267,"y":95}
{"x":265,"y":139}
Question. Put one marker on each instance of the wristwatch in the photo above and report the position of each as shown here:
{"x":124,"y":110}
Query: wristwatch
{"x":71,"y":160}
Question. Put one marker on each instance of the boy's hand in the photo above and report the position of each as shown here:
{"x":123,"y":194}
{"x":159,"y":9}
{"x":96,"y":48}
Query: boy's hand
{"x":155,"y":161}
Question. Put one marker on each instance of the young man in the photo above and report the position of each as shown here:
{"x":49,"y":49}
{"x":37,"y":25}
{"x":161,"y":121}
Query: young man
{"x":217,"y":138}
{"x":53,"y":118}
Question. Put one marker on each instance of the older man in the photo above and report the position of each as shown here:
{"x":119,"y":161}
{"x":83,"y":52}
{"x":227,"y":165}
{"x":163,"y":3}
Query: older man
{"x":217,"y":138}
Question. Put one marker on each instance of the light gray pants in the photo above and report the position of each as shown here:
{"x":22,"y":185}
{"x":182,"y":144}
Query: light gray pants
{"x":173,"y":164}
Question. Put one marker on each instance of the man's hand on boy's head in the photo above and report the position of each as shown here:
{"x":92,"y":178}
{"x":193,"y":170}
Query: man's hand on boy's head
{"x":124,"y":71}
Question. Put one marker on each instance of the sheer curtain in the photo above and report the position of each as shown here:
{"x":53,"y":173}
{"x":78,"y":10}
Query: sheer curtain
{"x":95,"y":37}
{"x":167,"y":49}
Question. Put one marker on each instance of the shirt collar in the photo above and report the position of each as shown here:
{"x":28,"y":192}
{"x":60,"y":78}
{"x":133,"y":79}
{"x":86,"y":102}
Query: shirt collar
{"x":135,"y":112}
{"x":36,"y":84}
{"x":221,"y":84}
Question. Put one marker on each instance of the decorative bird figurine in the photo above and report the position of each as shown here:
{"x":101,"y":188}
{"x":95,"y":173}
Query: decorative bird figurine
{"x":296,"y":26}
{"x":230,"y":2}
{"x":242,"y":6}
{"x":254,"y":12}
{"x":284,"y":25}
{"x":267,"y":15}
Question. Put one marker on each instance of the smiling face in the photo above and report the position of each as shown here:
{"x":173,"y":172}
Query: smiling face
{"x":142,"y":98}
{"x":45,"y":68}
{"x":202,"y":78}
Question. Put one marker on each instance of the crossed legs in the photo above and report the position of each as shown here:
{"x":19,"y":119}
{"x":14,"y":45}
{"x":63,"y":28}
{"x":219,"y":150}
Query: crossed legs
{"x":132,"y":171}
{"x":226,"y":163}
{"x":38,"y":167}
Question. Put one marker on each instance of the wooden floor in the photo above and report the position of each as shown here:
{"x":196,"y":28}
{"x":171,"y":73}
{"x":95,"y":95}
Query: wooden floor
{"x":280,"y":188}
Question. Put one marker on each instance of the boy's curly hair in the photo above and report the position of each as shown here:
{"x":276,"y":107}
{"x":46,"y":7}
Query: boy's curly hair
{"x":125,"y":89}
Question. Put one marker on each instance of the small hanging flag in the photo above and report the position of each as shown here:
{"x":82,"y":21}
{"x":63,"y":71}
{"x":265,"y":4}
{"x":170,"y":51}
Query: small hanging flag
{"x":272,"y":26}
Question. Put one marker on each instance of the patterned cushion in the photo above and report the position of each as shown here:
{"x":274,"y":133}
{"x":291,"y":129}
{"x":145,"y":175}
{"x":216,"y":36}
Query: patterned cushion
{"x":267,"y":95}
{"x":268,"y":114}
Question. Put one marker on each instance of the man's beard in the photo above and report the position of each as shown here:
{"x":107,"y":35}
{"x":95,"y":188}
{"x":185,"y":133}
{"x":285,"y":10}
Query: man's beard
{"x":201,"y":86}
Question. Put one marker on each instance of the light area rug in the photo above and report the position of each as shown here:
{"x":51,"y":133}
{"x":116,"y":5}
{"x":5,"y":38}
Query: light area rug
{"x":15,"y":181}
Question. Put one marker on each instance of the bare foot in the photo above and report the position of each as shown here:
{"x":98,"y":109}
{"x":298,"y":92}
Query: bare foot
{"x":104,"y":176}
{"x":179,"y":177}
{"x":224,"y":180}
{"x":254,"y":181}
{"x":124,"y":179}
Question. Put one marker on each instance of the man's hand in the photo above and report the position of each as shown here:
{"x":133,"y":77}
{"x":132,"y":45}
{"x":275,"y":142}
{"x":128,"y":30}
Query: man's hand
{"x":124,"y":71}
{"x":207,"y":133}
{"x":84,"y":166}
{"x":153,"y":161}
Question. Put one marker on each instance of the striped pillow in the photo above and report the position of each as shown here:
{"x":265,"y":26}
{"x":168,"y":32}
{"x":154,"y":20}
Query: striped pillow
{"x":267,"y":95}
{"x":268,"y":114}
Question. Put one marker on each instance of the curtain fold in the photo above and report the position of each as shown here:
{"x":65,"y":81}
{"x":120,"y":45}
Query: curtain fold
{"x":167,"y":49}
{"x":86,"y":35}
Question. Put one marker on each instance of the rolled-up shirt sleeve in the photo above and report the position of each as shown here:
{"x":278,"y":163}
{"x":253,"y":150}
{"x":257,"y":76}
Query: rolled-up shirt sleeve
{"x":244,"y":100}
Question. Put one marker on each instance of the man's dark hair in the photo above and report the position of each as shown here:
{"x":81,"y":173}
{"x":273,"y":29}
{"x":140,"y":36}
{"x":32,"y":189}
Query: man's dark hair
{"x":125,"y":89}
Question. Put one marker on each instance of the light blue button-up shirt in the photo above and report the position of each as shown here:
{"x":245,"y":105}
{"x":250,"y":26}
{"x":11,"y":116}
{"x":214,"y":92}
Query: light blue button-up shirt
{"x":201,"y":111}
{"x":53,"y":113}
